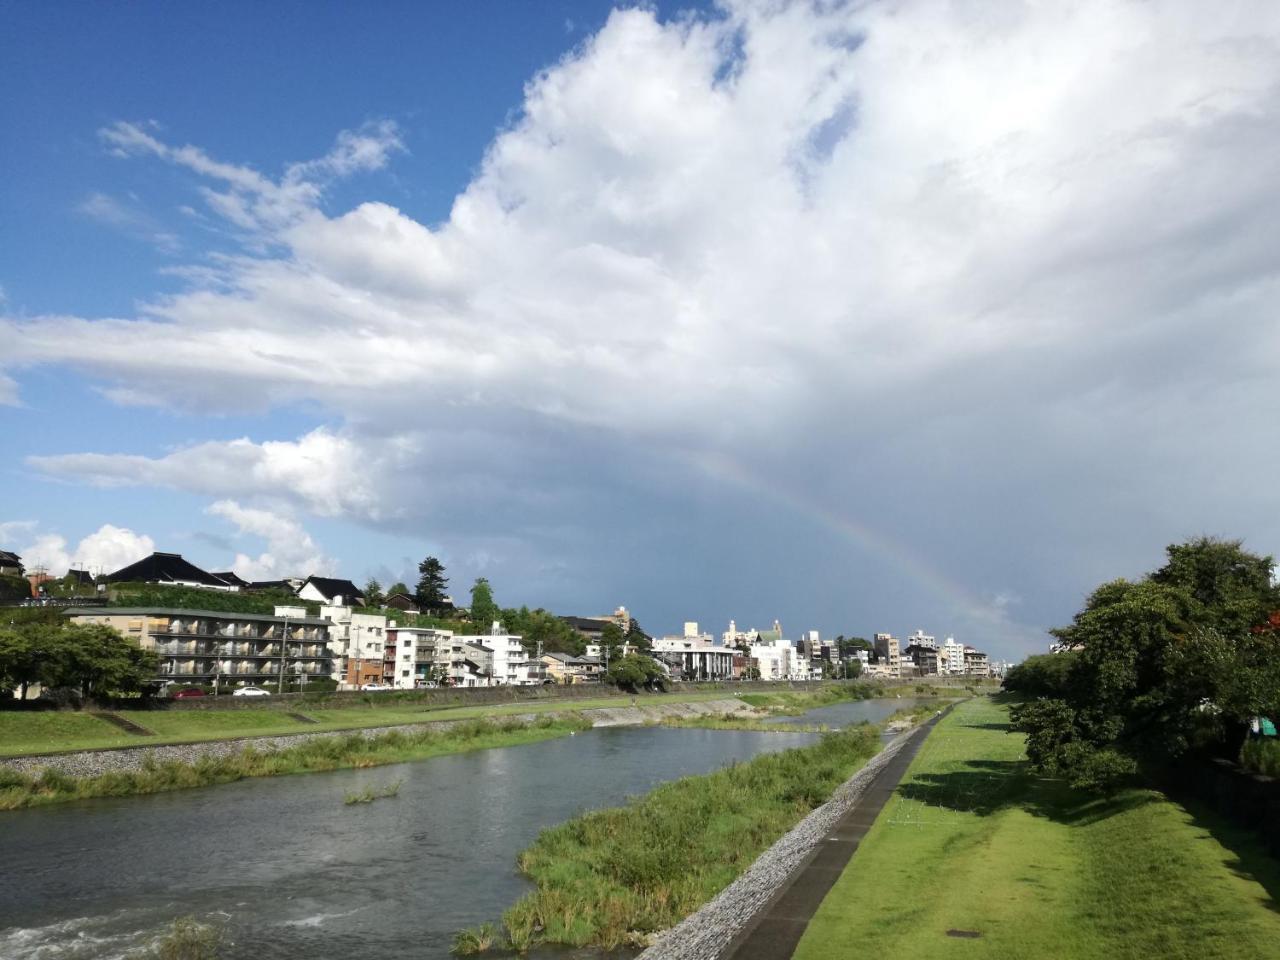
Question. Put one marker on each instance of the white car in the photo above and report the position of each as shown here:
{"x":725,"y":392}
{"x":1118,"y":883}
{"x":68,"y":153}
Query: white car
{"x":376,"y":686}
{"x":249,"y":692}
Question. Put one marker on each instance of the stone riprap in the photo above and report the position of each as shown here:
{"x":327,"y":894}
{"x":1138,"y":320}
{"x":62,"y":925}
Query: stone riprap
{"x":91,"y":763}
{"x":706,"y":933}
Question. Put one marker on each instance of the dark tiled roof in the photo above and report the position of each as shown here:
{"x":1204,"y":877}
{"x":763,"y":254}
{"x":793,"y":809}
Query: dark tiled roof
{"x":164,"y":568}
{"x":10,"y":559}
{"x":331,"y":587}
{"x":80,"y":576}
{"x":586,"y":624}
{"x":401,"y":601}
{"x":229,"y":576}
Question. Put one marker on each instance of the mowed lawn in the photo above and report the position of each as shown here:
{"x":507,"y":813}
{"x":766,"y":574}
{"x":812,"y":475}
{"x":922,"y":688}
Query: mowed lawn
{"x":972,"y":842}
{"x":46,"y":732}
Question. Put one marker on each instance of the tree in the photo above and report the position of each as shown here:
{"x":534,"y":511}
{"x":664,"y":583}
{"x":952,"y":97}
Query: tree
{"x":637,"y":637}
{"x":483,"y":609}
{"x":398,"y":587}
{"x":373,"y":595}
{"x":99,"y":660}
{"x":432,"y":584}
{"x":611,"y":638}
{"x":1179,"y":660}
{"x":634,"y":672}
{"x":21,"y":660}
{"x":541,"y":629}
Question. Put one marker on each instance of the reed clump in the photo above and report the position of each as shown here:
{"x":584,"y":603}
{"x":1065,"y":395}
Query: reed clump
{"x":611,"y":878}
{"x":370,"y":794}
{"x":320,"y":754}
{"x":187,"y":939}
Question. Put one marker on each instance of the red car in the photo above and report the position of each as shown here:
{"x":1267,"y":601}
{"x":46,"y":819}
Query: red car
{"x":188,"y":692}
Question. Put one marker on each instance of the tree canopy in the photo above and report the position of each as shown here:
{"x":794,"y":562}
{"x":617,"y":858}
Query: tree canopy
{"x":373,"y":595}
{"x":432,"y":584}
{"x":91,"y":658}
{"x":634,"y":672}
{"x":484,"y":611}
{"x":1179,"y":660}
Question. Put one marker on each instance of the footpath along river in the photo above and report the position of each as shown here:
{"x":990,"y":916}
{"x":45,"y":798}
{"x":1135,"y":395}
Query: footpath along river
{"x":291,"y":872}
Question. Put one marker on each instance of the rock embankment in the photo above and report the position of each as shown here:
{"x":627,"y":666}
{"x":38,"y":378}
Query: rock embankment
{"x":91,"y":763}
{"x":709,"y":931}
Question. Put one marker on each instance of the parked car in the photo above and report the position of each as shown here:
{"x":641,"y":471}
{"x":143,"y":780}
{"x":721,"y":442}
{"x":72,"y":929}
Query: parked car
{"x":376,"y":686}
{"x":188,"y":692}
{"x":249,"y":692}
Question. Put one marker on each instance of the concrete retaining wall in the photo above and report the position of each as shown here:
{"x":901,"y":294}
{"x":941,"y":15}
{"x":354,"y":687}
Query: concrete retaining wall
{"x":90,"y":763}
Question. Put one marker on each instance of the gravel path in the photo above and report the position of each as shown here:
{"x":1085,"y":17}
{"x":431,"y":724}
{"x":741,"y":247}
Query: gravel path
{"x":705,"y":934}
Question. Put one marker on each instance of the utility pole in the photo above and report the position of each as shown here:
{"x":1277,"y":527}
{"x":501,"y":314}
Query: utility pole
{"x":284,"y":645}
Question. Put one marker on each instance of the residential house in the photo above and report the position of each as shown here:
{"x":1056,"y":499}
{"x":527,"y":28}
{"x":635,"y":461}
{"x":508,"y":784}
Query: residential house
{"x":567,"y":669}
{"x":401,"y":601}
{"x":231,"y":578}
{"x":331,"y":591}
{"x":498,"y":659}
{"x":11,"y":564}
{"x":923,"y":660}
{"x":170,"y":569}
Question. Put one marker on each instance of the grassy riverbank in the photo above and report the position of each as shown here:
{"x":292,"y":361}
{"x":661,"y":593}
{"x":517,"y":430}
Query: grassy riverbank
{"x":973,"y":843}
{"x":324,"y":753}
{"x":23,"y":733}
{"x":907,"y":716}
{"x":610,"y":877}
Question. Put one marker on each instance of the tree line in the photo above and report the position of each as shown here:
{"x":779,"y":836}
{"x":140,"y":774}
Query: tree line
{"x":1173,"y":664}
{"x":40,"y":647}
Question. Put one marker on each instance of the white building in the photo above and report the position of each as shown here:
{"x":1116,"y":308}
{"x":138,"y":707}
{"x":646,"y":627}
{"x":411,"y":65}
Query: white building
{"x":497,"y":659}
{"x":695,"y":656}
{"x":951,"y":657}
{"x":921,"y":639}
{"x":358,"y":641}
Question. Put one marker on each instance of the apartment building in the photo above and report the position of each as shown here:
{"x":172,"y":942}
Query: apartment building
{"x":976,"y":663}
{"x":206,"y":646}
{"x":359,"y":642}
{"x":889,"y":653}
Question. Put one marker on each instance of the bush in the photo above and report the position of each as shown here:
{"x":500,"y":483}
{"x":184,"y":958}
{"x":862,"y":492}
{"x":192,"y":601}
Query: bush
{"x":1261,"y":756}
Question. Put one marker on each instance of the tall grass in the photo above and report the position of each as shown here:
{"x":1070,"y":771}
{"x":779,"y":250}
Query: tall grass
{"x":792,"y":702}
{"x":187,"y":939}
{"x":1261,"y":756}
{"x":324,"y":753}
{"x":612,"y":877}
{"x":370,"y":794}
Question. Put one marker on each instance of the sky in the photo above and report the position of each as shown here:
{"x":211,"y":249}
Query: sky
{"x":863,"y":317}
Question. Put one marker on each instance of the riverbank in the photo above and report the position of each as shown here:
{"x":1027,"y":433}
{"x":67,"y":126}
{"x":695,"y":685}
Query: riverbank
{"x":314,"y":754}
{"x":54,"y":732}
{"x":617,"y":876}
{"x":1017,"y":866}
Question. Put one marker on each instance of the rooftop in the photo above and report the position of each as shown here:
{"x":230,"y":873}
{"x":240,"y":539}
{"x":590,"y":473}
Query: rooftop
{"x":209,"y":614}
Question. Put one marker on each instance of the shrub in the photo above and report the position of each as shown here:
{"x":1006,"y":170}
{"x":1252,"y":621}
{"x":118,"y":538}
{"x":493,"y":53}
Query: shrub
{"x":1260,"y":756}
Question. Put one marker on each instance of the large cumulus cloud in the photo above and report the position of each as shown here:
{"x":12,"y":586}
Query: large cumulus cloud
{"x":986,"y":276}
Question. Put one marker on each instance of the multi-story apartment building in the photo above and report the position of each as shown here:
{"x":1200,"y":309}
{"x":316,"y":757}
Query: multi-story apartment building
{"x":951,"y":656}
{"x":975,"y":663}
{"x":889,"y":653}
{"x":206,"y":646}
{"x":359,"y":641}
{"x":921,"y":660}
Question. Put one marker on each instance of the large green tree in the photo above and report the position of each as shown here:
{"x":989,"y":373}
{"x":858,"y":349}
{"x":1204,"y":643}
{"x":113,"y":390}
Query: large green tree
{"x":634,"y":672}
{"x":432,"y":584}
{"x":373,"y":595}
{"x":1176,"y":661}
{"x":90,"y":658}
{"x":484,"y":611}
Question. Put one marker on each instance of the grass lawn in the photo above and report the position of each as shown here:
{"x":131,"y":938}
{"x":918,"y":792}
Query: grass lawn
{"x":971,"y":841}
{"x":52,"y":730}
{"x":23,"y":733}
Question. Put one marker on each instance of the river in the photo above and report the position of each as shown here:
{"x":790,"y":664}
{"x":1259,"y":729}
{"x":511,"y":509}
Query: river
{"x":291,"y":872}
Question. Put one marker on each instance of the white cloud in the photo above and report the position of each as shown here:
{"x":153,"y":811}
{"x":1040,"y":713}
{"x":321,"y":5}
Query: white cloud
{"x":290,"y":549}
{"x":107,"y":549}
{"x":955,"y":248}
{"x":129,"y":220}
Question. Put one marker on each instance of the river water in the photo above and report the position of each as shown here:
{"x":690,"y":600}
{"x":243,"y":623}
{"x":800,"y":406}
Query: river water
{"x":291,"y":872}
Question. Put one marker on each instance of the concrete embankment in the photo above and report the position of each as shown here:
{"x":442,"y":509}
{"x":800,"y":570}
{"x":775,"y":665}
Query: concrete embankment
{"x":731,"y":926}
{"x":91,"y":763}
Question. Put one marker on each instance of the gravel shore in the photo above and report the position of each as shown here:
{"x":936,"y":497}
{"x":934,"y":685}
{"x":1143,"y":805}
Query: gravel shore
{"x":705,"y":934}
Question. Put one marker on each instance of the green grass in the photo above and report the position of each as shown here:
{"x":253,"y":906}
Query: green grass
{"x":47,"y":732}
{"x":324,"y":753}
{"x":611,"y":877}
{"x":370,"y":794}
{"x":971,"y":841}
{"x":187,"y":939}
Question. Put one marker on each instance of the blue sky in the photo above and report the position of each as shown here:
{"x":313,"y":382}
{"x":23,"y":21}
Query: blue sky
{"x":865,"y":318}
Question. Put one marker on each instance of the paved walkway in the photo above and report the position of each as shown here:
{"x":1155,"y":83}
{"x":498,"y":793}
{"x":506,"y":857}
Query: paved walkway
{"x":776,"y":930}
